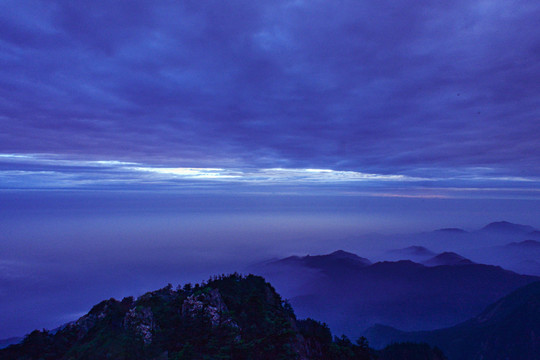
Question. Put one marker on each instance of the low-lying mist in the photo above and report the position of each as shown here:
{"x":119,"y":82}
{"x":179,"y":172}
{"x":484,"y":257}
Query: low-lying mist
{"x":61,"y":252}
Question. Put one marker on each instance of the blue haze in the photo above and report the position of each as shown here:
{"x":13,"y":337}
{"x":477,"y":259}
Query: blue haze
{"x":63,"y":251}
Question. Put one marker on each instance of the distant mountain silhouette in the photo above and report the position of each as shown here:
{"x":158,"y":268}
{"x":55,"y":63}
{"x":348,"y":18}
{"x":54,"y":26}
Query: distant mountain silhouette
{"x":447,"y":258}
{"x":526,"y":244}
{"x":331,"y":263}
{"x":507,"y":329}
{"x":519,"y":256}
{"x":415,"y":251}
{"x":402,"y":293}
{"x":507,"y":227}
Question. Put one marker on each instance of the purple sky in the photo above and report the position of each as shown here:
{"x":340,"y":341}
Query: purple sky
{"x":309,"y":122}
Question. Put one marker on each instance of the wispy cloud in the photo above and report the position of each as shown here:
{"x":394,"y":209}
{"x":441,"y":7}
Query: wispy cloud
{"x":52,"y":171}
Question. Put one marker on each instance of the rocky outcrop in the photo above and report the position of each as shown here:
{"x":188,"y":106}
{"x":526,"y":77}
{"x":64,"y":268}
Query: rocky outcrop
{"x":141,"y":321}
{"x":230,"y":317}
{"x":210,"y":305}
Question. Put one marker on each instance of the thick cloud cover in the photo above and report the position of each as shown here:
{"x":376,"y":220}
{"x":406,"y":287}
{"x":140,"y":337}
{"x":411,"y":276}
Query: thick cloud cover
{"x":415,"y":88}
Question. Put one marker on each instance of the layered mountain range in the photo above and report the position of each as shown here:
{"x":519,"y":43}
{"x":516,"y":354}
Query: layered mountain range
{"x":469,"y":309}
{"x":350,"y":293}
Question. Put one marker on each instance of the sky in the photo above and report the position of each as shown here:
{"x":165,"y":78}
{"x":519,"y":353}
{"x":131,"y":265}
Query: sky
{"x":152,"y":128}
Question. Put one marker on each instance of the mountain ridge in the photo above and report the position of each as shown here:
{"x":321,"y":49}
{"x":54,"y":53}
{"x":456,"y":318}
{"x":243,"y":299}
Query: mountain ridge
{"x":525,"y":244}
{"x":351,"y":298}
{"x":506,"y":226}
{"x":447,"y":258}
{"x":503,"y":330}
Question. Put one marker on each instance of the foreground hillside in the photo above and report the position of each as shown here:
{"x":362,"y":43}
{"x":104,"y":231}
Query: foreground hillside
{"x":230,"y":317}
{"x":507,"y":329}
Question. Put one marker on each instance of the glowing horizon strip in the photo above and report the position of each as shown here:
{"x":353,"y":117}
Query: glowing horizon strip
{"x":132,"y":172}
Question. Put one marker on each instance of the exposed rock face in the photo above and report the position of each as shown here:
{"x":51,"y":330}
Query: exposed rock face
{"x":210,"y":305}
{"x":141,"y":321}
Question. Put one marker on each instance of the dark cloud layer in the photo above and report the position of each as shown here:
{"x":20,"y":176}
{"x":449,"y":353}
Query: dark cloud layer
{"x":386,"y":87}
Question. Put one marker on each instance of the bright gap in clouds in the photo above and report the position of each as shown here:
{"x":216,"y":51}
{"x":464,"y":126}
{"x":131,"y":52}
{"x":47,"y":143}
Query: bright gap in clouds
{"x":56,"y":164}
{"x":50,"y":171}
